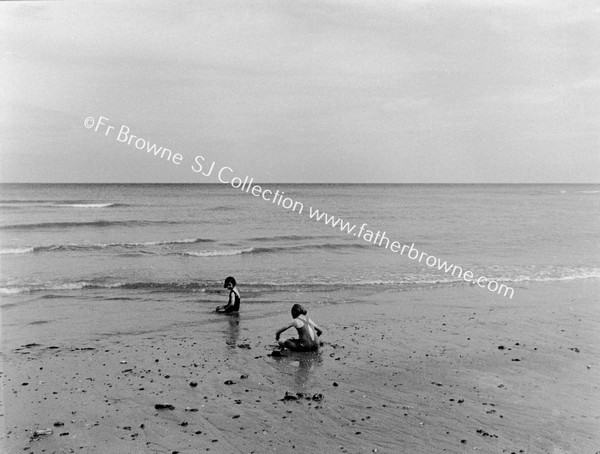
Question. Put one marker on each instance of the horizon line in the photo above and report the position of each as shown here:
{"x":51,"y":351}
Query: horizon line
{"x":294,"y":183}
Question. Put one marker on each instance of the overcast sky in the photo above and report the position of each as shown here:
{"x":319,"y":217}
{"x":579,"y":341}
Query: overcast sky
{"x":419,"y":91}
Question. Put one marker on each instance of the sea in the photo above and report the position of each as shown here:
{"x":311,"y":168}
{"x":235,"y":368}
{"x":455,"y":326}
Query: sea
{"x":175,"y":243}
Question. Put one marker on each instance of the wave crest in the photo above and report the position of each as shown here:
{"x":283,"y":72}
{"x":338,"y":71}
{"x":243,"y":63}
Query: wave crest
{"x":99,"y":246}
{"x":218,"y":253}
{"x":93,"y":224}
{"x":21,"y":250}
{"x":408,"y":281}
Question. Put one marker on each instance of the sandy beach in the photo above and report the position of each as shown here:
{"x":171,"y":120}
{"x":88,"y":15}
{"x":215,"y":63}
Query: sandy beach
{"x":445,"y":370}
{"x":422,"y":176}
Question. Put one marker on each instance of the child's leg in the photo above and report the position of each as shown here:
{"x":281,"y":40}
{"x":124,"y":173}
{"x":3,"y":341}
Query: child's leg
{"x":292,"y":344}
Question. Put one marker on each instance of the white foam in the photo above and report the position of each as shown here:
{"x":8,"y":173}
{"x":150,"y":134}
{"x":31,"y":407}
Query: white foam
{"x":23,"y":250}
{"x":12,"y":291}
{"x":68,"y":286}
{"x":85,"y":205}
{"x":219,"y":253}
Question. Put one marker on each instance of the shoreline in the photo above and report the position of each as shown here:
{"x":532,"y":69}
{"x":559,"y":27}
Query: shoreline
{"x":416,"y":371}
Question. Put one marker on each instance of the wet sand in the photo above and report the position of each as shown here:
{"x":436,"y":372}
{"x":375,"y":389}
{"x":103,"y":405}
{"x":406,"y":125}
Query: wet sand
{"x":448,"y":370}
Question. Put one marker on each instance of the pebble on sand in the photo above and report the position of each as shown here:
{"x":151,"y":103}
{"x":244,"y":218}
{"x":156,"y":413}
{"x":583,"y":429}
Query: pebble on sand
{"x":42,"y":432}
{"x":290,"y":396}
{"x":317,"y":397}
{"x":164,"y":407}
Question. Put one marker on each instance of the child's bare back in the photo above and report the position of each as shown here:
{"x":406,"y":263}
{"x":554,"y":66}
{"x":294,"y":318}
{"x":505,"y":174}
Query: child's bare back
{"x":308,"y":331}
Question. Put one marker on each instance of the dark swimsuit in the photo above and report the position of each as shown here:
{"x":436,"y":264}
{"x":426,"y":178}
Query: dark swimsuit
{"x":236,"y":304}
{"x":305,"y":343}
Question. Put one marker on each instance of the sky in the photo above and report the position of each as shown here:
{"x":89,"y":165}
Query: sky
{"x":355,"y":91}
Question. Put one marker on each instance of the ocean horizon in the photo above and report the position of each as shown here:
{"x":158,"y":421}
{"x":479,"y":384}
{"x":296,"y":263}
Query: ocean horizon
{"x":185,"y":238}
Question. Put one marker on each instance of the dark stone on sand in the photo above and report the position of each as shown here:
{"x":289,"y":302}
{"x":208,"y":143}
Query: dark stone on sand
{"x":318,"y":397}
{"x":463,"y":441}
{"x":184,"y":424}
{"x":164,"y":407}
{"x":235,"y":416}
{"x":500,"y":347}
{"x":41,"y":433}
{"x":290,"y":396}
{"x":460,"y":401}
{"x":244,"y":376}
{"x":335,"y":384}
{"x":59,"y":424}
{"x":193,"y":384}
{"x":277,"y":354}
{"x":229,"y":382}
{"x":246,"y":346}
{"x":486,"y":434}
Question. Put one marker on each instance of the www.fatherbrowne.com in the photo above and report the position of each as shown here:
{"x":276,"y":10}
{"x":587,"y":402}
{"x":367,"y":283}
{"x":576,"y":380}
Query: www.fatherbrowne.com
{"x":380,"y":239}
{"x":225,"y":176}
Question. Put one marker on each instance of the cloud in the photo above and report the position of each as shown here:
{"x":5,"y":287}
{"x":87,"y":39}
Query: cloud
{"x":421,"y":85}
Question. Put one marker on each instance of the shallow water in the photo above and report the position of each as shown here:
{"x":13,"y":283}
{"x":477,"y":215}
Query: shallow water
{"x":178,"y":242}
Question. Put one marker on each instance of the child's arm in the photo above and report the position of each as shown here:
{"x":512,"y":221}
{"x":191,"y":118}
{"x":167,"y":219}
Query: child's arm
{"x":316,"y":327}
{"x":278,"y":333}
{"x":231,"y":301}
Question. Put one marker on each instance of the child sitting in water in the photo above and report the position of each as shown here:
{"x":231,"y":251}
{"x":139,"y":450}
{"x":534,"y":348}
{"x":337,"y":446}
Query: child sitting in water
{"x":307,"y":339}
{"x":233,"y":304}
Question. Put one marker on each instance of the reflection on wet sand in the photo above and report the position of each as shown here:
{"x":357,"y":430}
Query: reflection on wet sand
{"x":299,"y":365}
{"x":233,"y":329}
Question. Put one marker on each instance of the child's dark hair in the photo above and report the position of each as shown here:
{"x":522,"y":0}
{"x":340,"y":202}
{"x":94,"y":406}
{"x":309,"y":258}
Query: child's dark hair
{"x":229,"y":280}
{"x":297,"y":310}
